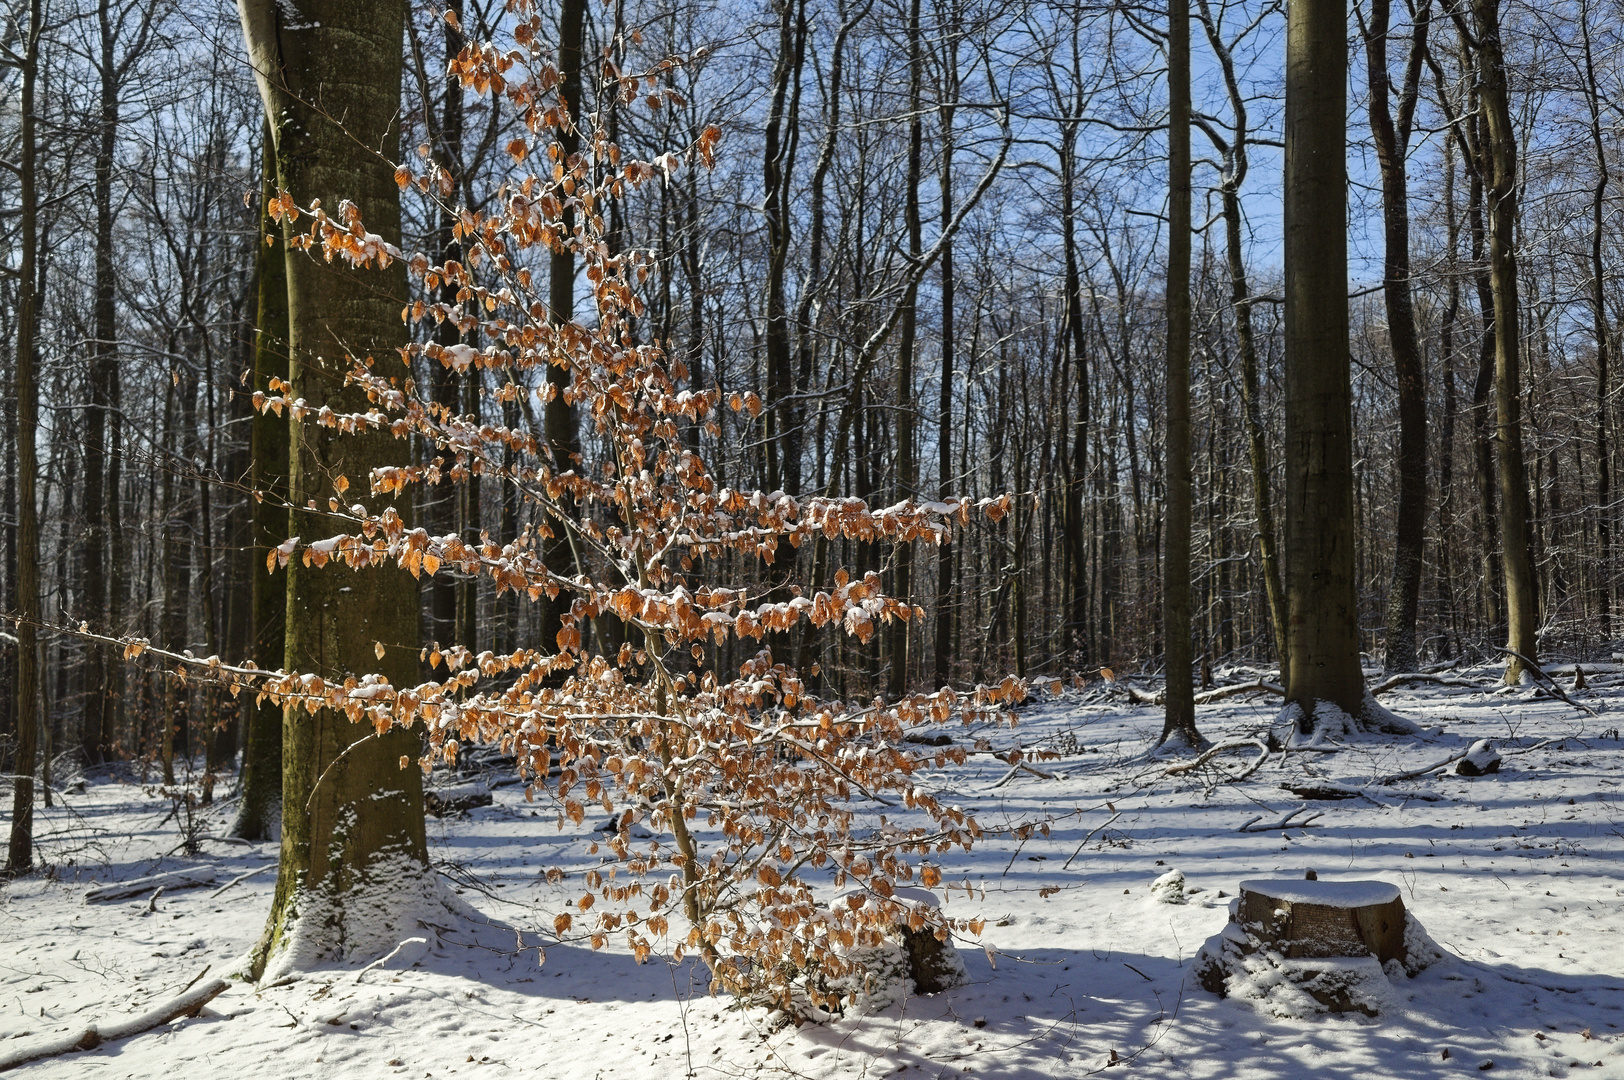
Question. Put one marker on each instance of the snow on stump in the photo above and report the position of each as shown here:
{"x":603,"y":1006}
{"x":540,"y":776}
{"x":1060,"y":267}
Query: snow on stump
{"x":1481,"y":759}
{"x":913,"y":960}
{"x":1305,"y":947}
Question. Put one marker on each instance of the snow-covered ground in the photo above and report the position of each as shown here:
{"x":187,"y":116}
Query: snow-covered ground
{"x":1515,"y":874}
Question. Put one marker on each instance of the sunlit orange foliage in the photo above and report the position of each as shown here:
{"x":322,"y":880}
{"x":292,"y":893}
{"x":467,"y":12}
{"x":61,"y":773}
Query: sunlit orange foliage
{"x":759,"y":793}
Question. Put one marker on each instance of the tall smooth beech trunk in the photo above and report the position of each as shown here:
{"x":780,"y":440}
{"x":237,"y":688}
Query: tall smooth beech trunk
{"x":25,"y":389}
{"x":259,"y":807}
{"x":449,"y":502}
{"x":907,"y":337}
{"x":946,"y":577}
{"x":1598,"y":313}
{"x":354,"y":871}
{"x":1392,"y":139}
{"x":1178,"y":724}
{"x":1321,"y":607}
{"x":1500,"y":180}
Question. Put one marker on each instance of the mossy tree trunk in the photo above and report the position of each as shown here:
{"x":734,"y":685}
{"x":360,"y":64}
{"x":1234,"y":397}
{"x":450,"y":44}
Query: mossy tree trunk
{"x":257,"y":810}
{"x":354,"y":861}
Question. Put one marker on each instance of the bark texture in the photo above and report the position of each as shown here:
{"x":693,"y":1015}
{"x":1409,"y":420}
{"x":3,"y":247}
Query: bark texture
{"x":1178,"y":724}
{"x":1392,"y":138}
{"x":25,"y":390}
{"x":1500,"y":181}
{"x":1321,"y":606}
{"x":258,"y":808}
{"x":354,"y":861}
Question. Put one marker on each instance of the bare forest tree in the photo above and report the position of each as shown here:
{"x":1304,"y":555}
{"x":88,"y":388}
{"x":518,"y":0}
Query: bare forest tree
{"x":946,"y":248}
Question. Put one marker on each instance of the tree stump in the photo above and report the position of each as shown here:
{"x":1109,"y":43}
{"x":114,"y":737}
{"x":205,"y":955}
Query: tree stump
{"x":1315,"y":946}
{"x":910,"y":960}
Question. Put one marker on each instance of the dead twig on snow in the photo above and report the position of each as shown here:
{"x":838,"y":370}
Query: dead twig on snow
{"x":1284,"y":823}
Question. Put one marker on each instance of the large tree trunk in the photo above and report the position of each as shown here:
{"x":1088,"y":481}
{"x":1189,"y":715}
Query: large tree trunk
{"x":1500,"y":169}
{"x":354,"y":866}
{"x":1178,"y":723}
{"x":1322,"y":611}
{"x":25,"y":388}
{"x":258,"y":808}
{"x":782,"y":443}
{"x":448,"y":513}
{"x":1080,"y":638}
{"x":907,"y":334}
{"x":1598,"y":312}
{"x":558,"y":416}
{"x":947,"y":597}
{"x":94,"y":732}
{"x":1392,"y":138}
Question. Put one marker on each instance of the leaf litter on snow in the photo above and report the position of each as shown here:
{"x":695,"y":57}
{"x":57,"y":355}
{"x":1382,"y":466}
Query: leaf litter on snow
{"x":1084,"y":963}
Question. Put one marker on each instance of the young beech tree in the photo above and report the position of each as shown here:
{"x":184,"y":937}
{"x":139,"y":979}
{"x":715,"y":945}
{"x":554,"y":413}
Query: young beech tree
{"x":756,"y":791}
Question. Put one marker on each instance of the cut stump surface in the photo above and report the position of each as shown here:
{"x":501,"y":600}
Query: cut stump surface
{"x":1311,"y":919}
{"x":1307,"y":946}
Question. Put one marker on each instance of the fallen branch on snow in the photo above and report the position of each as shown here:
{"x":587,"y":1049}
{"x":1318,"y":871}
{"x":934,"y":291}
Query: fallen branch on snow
{"x":1545,"y":682}
{"x":1393,"y":682}
{"x":1283,"y":823}
{"x":240,"y":878}
{"x":1207,"y":697}
{"x":1017,"y":769}
{"x":1323,"y":791}
{"x":189,"y":1003}
{"x":1213,"y":751}
{"x":1413,"y":773}
{"x":1139,"y":697}
{"x":172,"y":881}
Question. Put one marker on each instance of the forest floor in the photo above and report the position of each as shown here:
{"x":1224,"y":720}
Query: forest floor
{"x":1516,"y":875}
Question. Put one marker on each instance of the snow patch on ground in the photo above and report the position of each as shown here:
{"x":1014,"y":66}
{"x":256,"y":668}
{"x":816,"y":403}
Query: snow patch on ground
{"x":1516,"y":877}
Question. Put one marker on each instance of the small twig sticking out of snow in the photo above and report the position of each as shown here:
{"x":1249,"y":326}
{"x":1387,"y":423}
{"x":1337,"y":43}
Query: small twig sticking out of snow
{"x":1090,"y":836}
{"x":1543,"y":743}
{"x":382,"y":960}
{"x":1284,"y":823}
{"x":196,"y":977}
{"x":152,"y":904}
